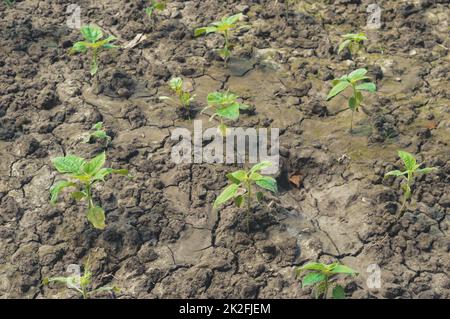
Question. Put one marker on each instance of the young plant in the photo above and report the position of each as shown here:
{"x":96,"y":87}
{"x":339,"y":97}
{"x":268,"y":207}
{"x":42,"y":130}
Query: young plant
{"x":93,"y":35}
{"x":82,"y":284}
{"x":352,"y":41}
{"x":184,"y":97}
{"x":8,"y":3}
{"x":98,"y":133}
{"x":353,"y":80}
{"x":225,"y":106}
{"x":85,"y":174}
{"x":412,"y":169}
{"x":241,"y":188}
{"x":323,"y":277}
{"x":224,"y":27}
{"x":155,"y":6}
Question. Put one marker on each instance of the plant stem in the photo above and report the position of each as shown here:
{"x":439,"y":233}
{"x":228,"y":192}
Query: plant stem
{"x":351,"y":123}
{"x":249,"y":197}
{"x":227,"y":45}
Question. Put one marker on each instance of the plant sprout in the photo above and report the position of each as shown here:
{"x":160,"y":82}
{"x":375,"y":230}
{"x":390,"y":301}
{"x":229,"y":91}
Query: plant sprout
{"x":184,"y":97}
{"x":241,"y":188}
{"x":92,"y":35}
{"x":86,"y":174}
{"x":155,"y":6}
{"x":352,"y":41}
{"x":322,"y":277}
{"x":8,"y":3}
{"x":352,"y":80}
{"x":99,"y":133}
{"x":225,"y":106}
{"x":81,"y":284}
{"x":223,"y":27}
{"x":412,"y":169}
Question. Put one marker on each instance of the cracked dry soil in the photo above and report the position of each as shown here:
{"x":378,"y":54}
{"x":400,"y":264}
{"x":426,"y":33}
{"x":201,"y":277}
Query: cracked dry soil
{"x":163,"y":239}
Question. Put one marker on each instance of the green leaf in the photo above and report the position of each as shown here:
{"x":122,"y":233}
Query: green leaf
{"x":353,"y":103}
{"x":359,"y":97}
{"x":268,"y":183}
{"x":94,"y":68}
{"x":224,"y":53}
{"x":233,"y":19}
{"x":176,"y":84}
{"x":367,"y":86}
{"x":395,"y":173}
{"x":92,"y":33}
{"x":343,"y":45}
{"x":426,"y":170}
{"x":78,"y":195}
{"x":338,"y":88}
{"x":312,"y":266}
{"x":357,"y":74}
{"x":255,"y":176}
{"x":408,"y":159}
{"x":97,"y":126}
{"x":239,"y":200}
{"x":313,"y":278}
{"x":100,"y":135}
{"x":260,"y":166}
{"x":233,"y":179}
{"x":56,"y":189}
{"x":80,"y":47}
{"x":102,"y":173}
{"x":338,"y":292}
{"x":204,"y":30}
{"x":94,"y":165}
{"x":239,"y":175}
{"x":259,"y":196}
{"x":342,"y":269}
{"x":68,"y":164}
{"x":230,"y":112}
{"x":96,"y":215}
{"x":228,"y":193}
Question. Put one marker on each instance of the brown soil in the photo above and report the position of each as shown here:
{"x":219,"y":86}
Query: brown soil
{"x":163,"y":238}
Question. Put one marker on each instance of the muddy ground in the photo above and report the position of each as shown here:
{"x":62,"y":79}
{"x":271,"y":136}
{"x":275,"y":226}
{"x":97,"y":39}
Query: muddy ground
{"x":163,"y":239}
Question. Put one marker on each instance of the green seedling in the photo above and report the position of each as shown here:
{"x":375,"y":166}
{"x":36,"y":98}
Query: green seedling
{"x":225,"y":28}
{"x":357,"y":81}
{"x":353,"y":41}
{"x":412,"y":169}
{"x":85,"y":175}
{"x":241,"y":188}
{"x":225,"y":106}
{"x":98,"y":133}
{"x":81,"y":284}
{"x":322,"y":277}
{"x":8,"y":3}
{"x":184,"y":97}
{"x":155,"y":6}
{"x":93,"y":35}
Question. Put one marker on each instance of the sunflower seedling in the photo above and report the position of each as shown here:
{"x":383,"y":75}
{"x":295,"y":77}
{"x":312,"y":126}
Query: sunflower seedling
{"x":98,"y":133}
{"x":353,"y":41}
{"x":241,"y":188}
{"x":85,"y":174}
{"x":224,"y":27}
{"x":225,"y":106}
{"x":92,"y":42}
{"x":322,"y":277}
{"x":82,"y":284}
{"x":412,"y":169}
{"x":357,"y":81}
{"x":184,"y":97}
{"x":155,"y":6}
